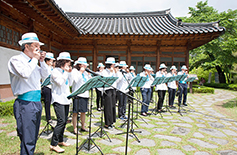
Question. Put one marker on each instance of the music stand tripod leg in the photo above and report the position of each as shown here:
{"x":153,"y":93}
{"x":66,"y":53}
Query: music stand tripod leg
{"x":89,"y":138}
{"x":167,"y":106}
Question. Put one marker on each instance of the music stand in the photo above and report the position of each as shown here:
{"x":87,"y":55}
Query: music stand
{"x":138,"y":81}
{"x":157,"y":81}
{"x":90,"y":84}
{"x":103,"y":82}
{"x":46,"y":83}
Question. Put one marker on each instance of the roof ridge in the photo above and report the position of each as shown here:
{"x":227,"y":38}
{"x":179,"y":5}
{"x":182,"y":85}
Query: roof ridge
{"x":118,"y":14}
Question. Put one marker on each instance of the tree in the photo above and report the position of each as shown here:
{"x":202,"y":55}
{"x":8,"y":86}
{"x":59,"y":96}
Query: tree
{"x":218,"y":53}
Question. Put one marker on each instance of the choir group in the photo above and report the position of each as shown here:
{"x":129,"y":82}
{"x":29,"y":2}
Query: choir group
{"x":26,"y":75}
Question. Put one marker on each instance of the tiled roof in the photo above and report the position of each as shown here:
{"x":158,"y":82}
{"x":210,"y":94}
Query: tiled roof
{"x":141,"y":23}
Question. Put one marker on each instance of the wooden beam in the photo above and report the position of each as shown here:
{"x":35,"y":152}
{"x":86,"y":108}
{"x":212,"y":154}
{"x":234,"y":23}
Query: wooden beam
{"x":128,"y":51}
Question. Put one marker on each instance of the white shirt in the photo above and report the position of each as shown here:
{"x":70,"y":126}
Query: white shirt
{"x":60,"y":86}
{"x":78,"y":80}
{"x":25,"y":74}
{"x":162,"y":86}
{"x":149,"y":80}
{"x":106,"y":73}
{"x":173,"y":83}
{"x":122,"y":83}
{"x":181,"y":73}
{"x":49,"y":71}
{"x":132,"y":76}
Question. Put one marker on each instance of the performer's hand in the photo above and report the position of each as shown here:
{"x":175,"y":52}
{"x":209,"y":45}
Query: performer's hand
{"x":36,"y":53}
{"x":67,"y":68}
{"x":82,"y":69}
{"x":42,"y":56}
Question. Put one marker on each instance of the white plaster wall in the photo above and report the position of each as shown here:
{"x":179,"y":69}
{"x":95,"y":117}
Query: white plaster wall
{"x":5,"y":55}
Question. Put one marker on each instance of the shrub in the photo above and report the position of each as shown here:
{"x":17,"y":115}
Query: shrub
{"x":204,"y":90}
{"x":232,"y":86}
{"x":6,"y":108}
{"x":217,"y":85}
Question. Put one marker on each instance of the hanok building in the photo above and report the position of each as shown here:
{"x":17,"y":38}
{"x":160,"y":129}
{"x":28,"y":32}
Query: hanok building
{"x":138,"y":38}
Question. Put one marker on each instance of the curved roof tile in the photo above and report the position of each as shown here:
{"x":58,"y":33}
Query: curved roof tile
{"x":138,"y":23}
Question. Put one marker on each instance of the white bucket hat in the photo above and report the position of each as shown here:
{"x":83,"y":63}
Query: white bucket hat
{"x":49,"y":55}
{"x":116,"y":64}
{"x":162,"y":66}
{"x":100,"y":65}
{"x":29,"y":38}
{"x":131,"y":68}
{"x":148,"y":67}
{"x":184,"y":67}
{"x":81,"y":60}
{"x":64,"y":56}
{"x":173,"y":67}
{"x":122,"y":64}
{"x":110,"y":60}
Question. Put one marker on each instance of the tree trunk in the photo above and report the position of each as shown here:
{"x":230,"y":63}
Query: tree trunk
{"x":221,"y":75}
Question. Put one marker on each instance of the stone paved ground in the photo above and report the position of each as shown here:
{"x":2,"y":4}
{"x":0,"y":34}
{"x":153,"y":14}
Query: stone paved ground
{"x":200,"y":131}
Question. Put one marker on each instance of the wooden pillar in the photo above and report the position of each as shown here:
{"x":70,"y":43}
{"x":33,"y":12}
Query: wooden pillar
{"x":95,"y":51}
{"x":129,"y":52}
{"x":30,"y":24}
{"x":187,"y":54}
{"x":158,"y":43}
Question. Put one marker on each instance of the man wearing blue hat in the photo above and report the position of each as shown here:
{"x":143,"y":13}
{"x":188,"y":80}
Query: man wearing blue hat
{"x":25,"y":76}
{"x":183,"y":86}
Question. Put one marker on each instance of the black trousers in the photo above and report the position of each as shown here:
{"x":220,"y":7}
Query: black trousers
{"x":109,"y":106}
{"x":122,"y":105}
{"x":98,"y":98}
{"x":161,"y":95}
{"x":61,"y":112}
{"x":46,"y":93}
{"x":171,"y":96}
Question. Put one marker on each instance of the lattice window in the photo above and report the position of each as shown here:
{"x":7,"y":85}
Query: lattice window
{"x":9,"y":36}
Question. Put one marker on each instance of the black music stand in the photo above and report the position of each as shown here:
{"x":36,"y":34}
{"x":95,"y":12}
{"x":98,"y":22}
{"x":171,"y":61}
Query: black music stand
{"x":103,"y":82}
{"x":90,"y":84}
{"x":157,"y":81}
{"x":46,"y":128}
{"x":166,"y":80}
{"x":137,"y":81}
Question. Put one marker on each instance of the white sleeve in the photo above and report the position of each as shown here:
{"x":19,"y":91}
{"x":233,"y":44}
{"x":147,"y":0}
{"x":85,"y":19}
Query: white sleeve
{"x":59,"y":78}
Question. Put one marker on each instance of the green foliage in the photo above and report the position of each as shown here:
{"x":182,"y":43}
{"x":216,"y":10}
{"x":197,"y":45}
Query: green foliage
{"x":217,"y":85}
{"x":6,"y":108}
{"x":232,"y":87}
{"x":203,"y":90}
{"x":219,"y":52}
{"x":201,"y":73}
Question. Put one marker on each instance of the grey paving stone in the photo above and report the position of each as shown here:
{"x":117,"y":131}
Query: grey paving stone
{"x":200,"y":120}
{"x":201,"y":153}
{"x":219,"y":141}
{"x":145,"y":142}
{"x":201,"y":125}
{"x":198,"y":134}
{"x":183,"y":124}
{"x":143,"y":151}
{"x":171,"y":138}
{"x":188,"y":148}
{"x":121,"y":149}
{"x":210,"y":119}
{"x":229,"y":132}
{"x":148,"y":125}
{"x":175,"y":120}
{"x":234,"y":128}
{"x":227,"y":152}
{"x":161,"y":123}
{"x":212,"y":132}
{"x":194,"y":116}
{"x":70,"y":141}
{"x":180,"y":131}
{"x":168,"y":117}
{"x":166,"y":126}
{"x":167,"y":143}
{"x":170,"y":152}
{"x":69,"y":134}
{"x":235,"y":139}
{"x":159,"y":129}
{"x":3,"y":125}
{"x":14,"y":133}
{"x":186,"y":119}
{"x":107,"y":142}
{"x":46,"y":136}
{"x":92,"y":149}
{"x":143,"y":132}
{"x":216,"y":125}
{"x":1,"y":131}
{"x":202,"y":143}
{"x":142,"y":120}
{"x":235,"y":145}
{"x":226,"y":123}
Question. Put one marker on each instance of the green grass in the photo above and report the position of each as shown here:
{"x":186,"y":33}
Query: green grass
{"x":11,"y":144}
